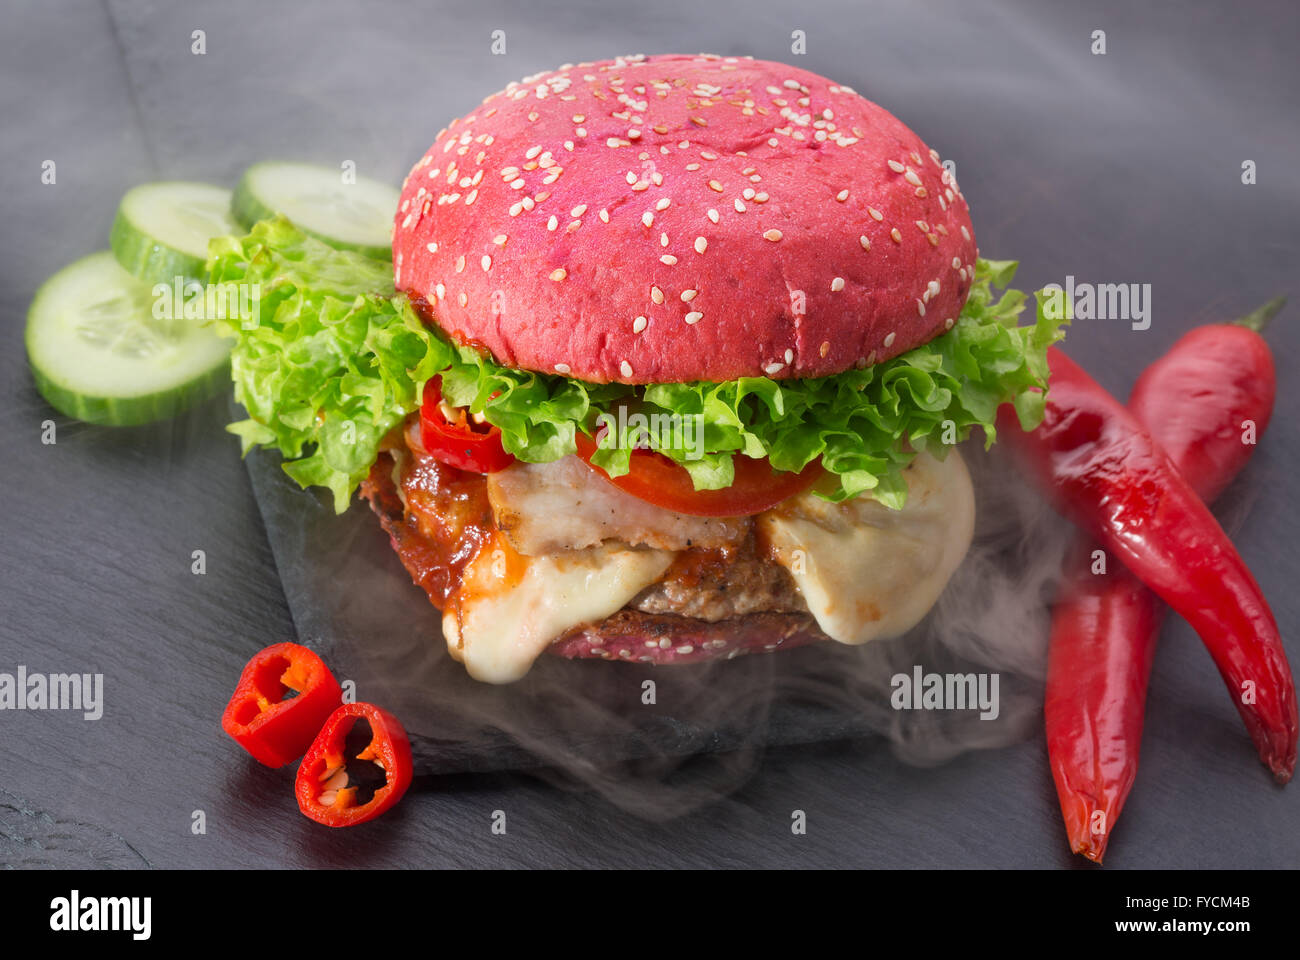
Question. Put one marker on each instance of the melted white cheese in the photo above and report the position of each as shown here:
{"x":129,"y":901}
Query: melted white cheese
{"x":866,"y":571}
{"x":510,"y":608}
{"x":544,"y":508}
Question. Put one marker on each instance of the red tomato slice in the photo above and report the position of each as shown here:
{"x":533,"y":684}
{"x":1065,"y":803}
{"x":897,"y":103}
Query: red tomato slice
{"x":654,"y":478}
{"x":460,"y":442}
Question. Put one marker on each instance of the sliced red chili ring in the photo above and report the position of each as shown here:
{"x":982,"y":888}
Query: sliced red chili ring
{"x":332,"y":789}
{"x":283,"y":696}
{"x":458,"y":441}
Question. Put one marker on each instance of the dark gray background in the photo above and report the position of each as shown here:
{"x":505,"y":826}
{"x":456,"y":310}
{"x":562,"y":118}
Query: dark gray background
{"x":1122,"y":168}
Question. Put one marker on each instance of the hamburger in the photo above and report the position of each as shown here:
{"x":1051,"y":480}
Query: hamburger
{"x":670,"y":367}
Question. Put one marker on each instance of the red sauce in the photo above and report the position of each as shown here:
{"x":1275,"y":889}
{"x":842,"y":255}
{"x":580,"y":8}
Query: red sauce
{"x":424,"y":310}
{"x":447,"y":518}
{"x":422,"y":307}
{"x":694,"y":567}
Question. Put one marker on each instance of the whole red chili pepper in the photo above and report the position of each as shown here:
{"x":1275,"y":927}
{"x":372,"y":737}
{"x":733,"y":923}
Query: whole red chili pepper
{"x":1103,"y":643}
{"x":334,"y":784}
{"x":1196,"y":399}
{"x":1117,"y":484}
{"x":1213,"y":384}
{"x":283,"y":696}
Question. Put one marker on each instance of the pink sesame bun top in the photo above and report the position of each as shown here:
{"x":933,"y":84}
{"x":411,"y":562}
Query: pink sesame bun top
{"x":675,"y":218}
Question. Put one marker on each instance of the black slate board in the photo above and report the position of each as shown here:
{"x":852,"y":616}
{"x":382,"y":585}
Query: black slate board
{"x":1122,"y":168}
{"x":353,"y":602}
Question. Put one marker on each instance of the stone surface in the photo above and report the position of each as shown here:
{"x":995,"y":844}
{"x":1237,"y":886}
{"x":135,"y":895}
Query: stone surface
{"x":1122,"y":168}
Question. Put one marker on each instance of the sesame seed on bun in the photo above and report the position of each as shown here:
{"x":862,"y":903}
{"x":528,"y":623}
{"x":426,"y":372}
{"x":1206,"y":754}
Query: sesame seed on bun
{"x":675,"y":218}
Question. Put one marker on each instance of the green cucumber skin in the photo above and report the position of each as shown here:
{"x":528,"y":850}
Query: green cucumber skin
{"x":115,"y":411}
{"x":248,"y":210}
{"x":131,"y":411}
{"x":150,"y":262}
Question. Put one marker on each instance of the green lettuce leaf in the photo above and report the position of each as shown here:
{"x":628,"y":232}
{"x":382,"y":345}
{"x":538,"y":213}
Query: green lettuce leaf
{"x":335,"y":359}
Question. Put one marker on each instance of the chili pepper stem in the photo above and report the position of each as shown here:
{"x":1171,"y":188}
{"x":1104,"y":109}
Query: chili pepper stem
{"x":1257,"y":320}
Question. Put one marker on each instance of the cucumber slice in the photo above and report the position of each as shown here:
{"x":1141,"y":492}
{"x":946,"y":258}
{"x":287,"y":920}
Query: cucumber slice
{"x":348,"y":216}
{"x":162,"y":229}
{"x":99,"y":354}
